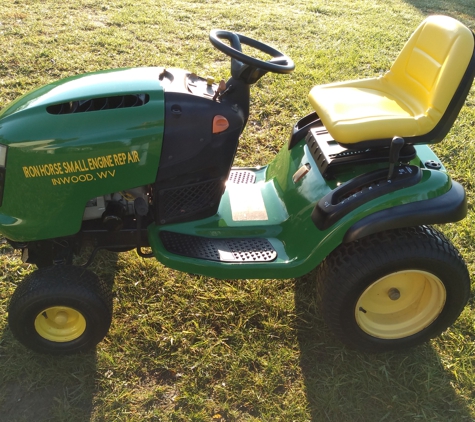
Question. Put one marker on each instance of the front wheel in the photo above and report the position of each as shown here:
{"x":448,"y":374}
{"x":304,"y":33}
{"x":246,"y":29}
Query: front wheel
{"x":60,"y":310}
{"x":394,"y":289}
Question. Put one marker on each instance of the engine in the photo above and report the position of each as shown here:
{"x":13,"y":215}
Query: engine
{"x":114,"y":209}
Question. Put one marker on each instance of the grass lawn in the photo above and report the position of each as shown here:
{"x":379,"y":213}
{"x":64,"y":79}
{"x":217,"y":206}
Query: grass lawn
{"x":189,"y":348}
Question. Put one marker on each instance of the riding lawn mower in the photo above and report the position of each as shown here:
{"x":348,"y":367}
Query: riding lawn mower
{"x":143,"y":158}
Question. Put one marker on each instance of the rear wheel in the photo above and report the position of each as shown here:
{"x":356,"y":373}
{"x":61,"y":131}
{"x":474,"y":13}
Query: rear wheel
{"x":60,"y":310}
{"x":394,"y":289}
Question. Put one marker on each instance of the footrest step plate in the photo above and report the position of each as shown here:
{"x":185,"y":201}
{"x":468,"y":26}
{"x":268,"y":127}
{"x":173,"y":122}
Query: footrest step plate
{"x":221,"y":250}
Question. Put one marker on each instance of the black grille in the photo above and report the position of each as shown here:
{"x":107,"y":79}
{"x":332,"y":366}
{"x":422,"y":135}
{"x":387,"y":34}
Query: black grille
{"x":97,"y":104}
{"x":177,"y":204}
{"x":223,"y":250}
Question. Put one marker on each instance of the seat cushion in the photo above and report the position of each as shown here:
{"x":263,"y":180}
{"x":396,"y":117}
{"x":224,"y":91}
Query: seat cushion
{"x":411,"y":99}
{"x":356,"y":111}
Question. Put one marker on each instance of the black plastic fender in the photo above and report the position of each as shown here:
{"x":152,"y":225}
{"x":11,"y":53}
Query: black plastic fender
{"x":447,"y":208}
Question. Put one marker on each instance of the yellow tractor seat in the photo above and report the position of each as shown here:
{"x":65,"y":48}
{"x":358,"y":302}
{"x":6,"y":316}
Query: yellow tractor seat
{"x":418,"y":99}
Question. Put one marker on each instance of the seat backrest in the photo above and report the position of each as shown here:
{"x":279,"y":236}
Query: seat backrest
{"x":430,"y":69}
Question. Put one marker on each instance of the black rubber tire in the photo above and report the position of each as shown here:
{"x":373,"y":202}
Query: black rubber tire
{"x":61,"y":286}
{"x":349,"y":270}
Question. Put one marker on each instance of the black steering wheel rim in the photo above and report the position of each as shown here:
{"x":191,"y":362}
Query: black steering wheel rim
{"x":280,"y":63}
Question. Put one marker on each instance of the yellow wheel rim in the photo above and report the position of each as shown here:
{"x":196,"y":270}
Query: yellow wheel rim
{"x":400,"y":304}
{"x":60,"y":324}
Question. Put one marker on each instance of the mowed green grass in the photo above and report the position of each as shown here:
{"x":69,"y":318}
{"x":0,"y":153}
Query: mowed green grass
{"x":189,"y":348}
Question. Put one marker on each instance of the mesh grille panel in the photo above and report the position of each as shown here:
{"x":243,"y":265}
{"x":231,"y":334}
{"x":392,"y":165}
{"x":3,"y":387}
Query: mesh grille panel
{"x":190,"y":199}
{"x":223,"y":250}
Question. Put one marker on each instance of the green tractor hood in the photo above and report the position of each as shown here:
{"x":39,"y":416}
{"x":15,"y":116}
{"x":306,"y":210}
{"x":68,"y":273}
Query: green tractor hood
{"x":74,"y":140}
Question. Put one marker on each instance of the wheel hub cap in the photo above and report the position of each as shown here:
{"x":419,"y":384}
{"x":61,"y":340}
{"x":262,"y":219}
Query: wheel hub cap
{"x":394,"y":294}
{"x":61,"y":319}
{"x":60,"y":324}
{"x":400,"y":304}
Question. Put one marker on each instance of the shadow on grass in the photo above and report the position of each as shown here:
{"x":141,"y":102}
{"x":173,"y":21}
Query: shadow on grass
{"x":44,"y":388}
{"x":345,"y":385}
{"x":35,"y":387}
{"x":464,"y":10}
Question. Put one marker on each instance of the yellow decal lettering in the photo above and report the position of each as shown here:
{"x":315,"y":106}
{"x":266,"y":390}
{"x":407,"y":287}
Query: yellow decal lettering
{"x":67,"y":168}
{"x":57,"y":168}
{"x":133,"y":157}
{"x":88,"y":177}
{"x":78,"y":168}
{"x":105,"y":174}
{"x":119,"y":159}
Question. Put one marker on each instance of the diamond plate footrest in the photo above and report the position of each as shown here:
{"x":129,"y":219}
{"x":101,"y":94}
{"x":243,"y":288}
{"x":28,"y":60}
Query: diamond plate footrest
{"x":222,"y":250}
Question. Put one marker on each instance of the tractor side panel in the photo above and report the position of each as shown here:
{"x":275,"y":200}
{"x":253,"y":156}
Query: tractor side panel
{"x":60,"y":156}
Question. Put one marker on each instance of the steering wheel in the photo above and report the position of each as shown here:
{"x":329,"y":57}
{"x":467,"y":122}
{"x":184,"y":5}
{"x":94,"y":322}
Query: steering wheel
{"x":280,"y":63}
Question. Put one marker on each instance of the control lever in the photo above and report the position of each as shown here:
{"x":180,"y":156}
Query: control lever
{"x":221,"y":90}
{"x":396,"y":145}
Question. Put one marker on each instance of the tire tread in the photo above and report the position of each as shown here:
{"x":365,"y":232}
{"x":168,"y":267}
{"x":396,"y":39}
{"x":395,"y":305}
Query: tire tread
{"x":352,"y":262}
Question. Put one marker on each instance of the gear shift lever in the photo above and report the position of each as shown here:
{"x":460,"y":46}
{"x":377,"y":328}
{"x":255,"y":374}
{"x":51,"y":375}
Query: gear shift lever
{"x":396,"y":145}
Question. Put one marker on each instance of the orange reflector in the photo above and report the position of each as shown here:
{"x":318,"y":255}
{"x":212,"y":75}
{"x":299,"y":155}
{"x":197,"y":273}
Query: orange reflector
{"x":220,"y":124}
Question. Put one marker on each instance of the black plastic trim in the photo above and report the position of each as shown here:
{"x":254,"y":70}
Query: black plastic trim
{"x":331,"y":157}
{"x":360,"y":190}
{"x":195,"y":162}
{"x":301,"y":128}
{"x":447,"y":208}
